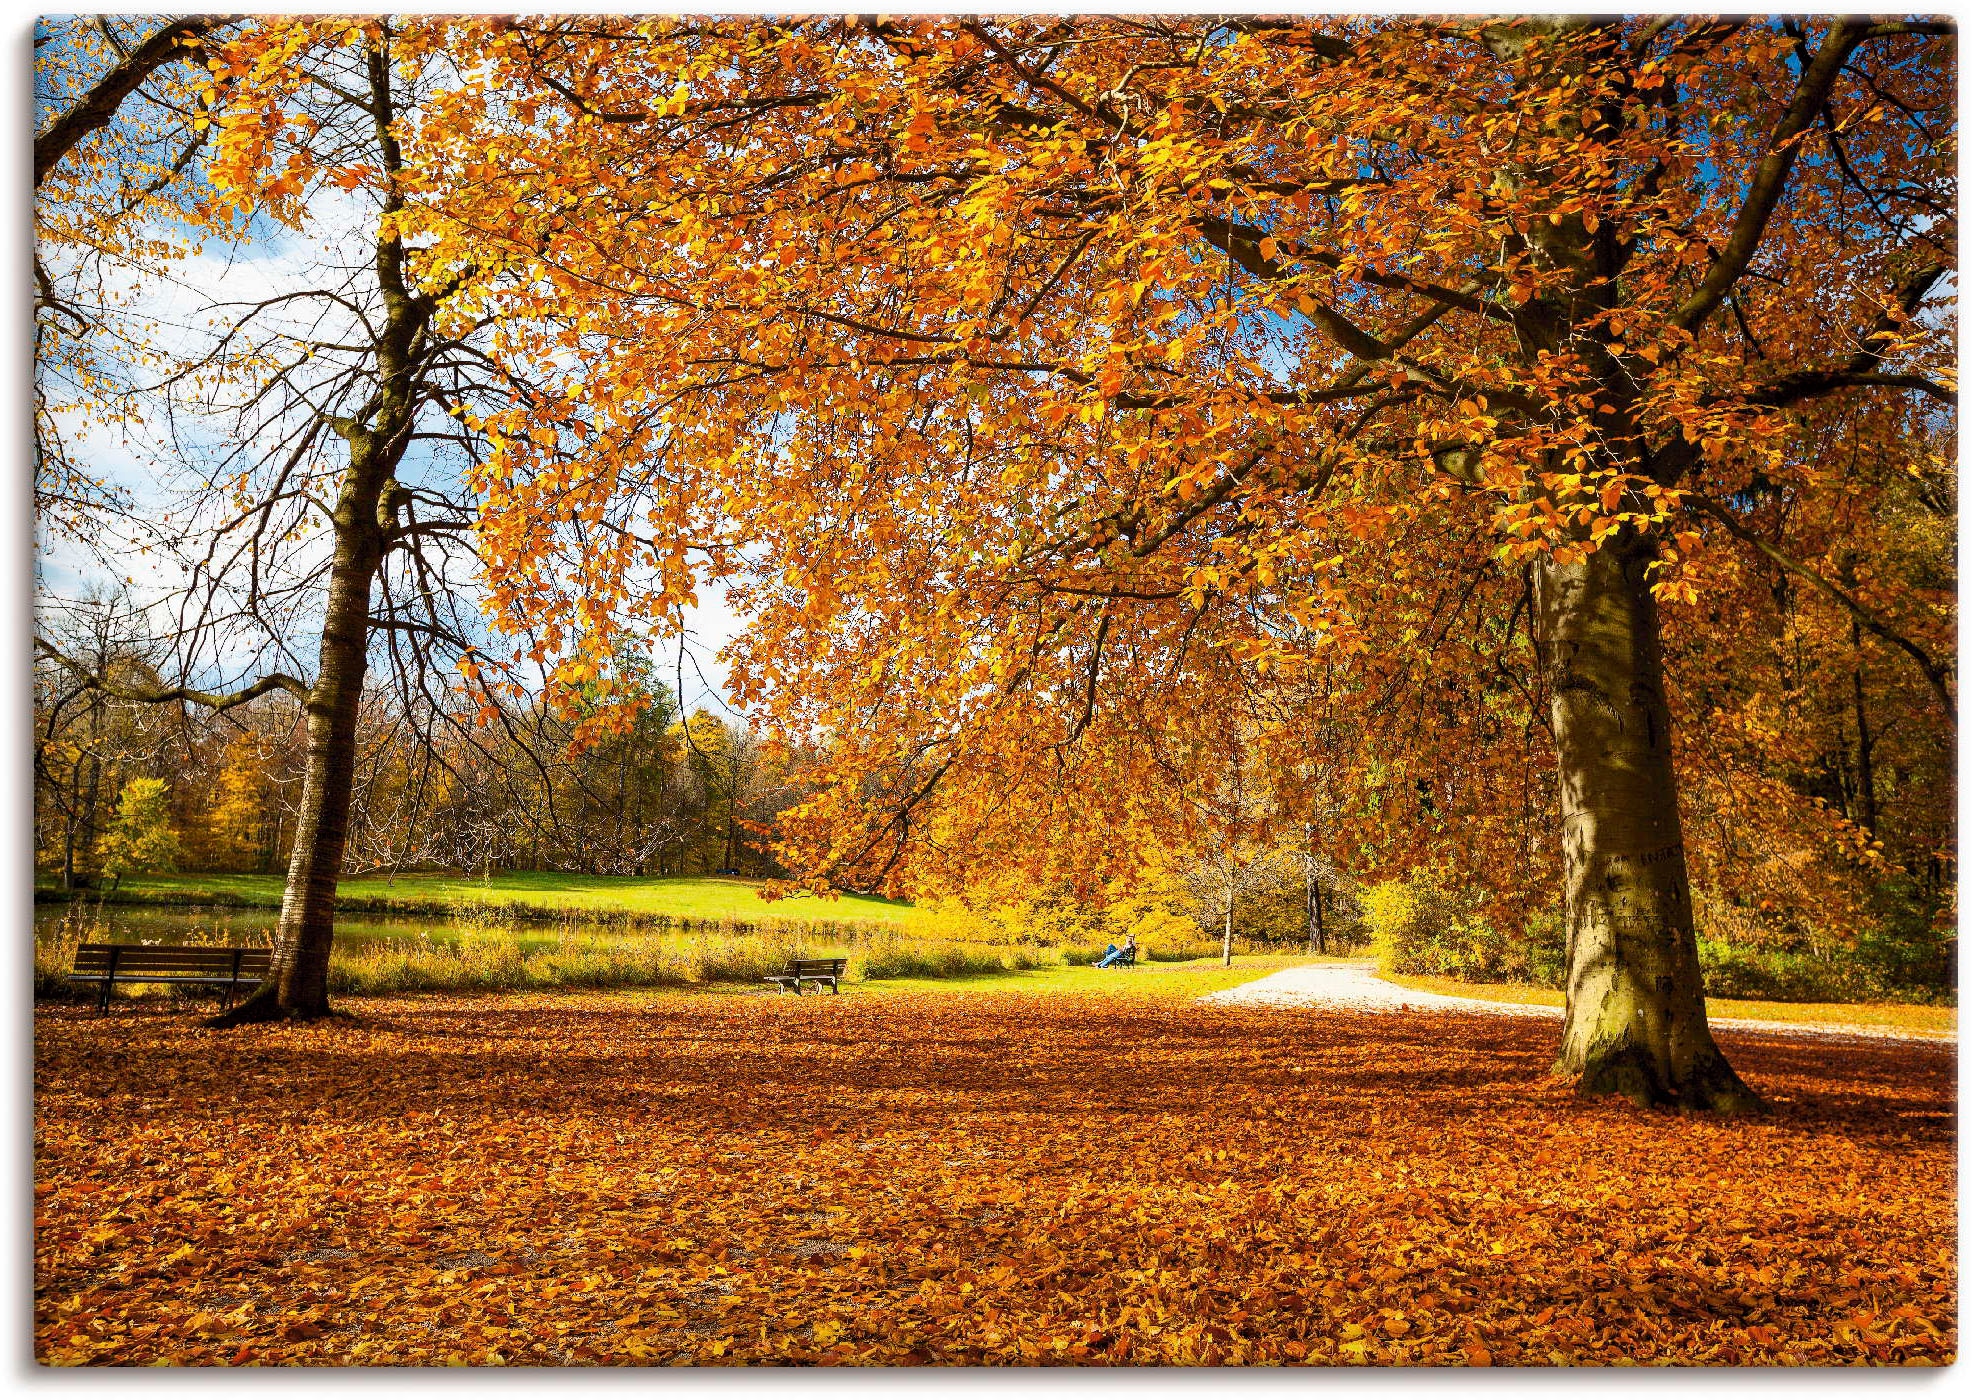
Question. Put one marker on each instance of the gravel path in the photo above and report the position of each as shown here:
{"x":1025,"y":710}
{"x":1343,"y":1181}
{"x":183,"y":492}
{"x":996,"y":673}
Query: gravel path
{"x":1356,"y":987}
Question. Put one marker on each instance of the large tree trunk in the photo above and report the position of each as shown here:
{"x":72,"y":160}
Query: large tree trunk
{"x":1636,"y":1004}
{"x":297,"y":984}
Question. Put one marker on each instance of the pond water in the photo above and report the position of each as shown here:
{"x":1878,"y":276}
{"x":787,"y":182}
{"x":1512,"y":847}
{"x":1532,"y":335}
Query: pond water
{"x":150,"y":923}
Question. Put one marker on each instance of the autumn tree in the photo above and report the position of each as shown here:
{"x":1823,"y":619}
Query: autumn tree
{"x":317,"y":425}
{"x":87,"y":745}
{"x":1822,"y":788}
{"x":140,"y":838}
{"x":1030,"y":377}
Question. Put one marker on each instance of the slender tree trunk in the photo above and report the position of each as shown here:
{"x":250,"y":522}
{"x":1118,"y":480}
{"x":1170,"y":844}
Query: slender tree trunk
{"x":72,"y":827}
{"x":1312,"y":894}
{"x":1308,"y":906}
{"x":1636,"y":1004}
{"x":86,"y":842}
{"x":1226,"y":949}
{"x":297,"y":984}
{"x":1865,"y":761}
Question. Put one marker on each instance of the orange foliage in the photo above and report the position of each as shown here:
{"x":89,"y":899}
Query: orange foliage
{"x":1070,"y":399}
{"x":1001,"y":1179}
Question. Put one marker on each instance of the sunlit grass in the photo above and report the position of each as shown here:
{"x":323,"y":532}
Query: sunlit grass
{"x":1921,"y":1020}
{"x":681,"y":897}
{"x":1154,"y":981}
{"x":485,"y":952}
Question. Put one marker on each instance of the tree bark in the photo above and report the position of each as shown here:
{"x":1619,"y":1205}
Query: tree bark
{"x":297,"y":984}
{"x":1636,"y":1004}
{"x":1226,"y":958}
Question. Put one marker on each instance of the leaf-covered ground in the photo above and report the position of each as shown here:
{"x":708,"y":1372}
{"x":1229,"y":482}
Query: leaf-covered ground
{"x":993,"y":1178}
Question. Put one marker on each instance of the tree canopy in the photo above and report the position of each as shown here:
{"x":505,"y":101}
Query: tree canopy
{"x":1082,"y":409}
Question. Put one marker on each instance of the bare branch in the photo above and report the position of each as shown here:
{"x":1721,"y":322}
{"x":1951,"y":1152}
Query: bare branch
{"x":164,"y":695}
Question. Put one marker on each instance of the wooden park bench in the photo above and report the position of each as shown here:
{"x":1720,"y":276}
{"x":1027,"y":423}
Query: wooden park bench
{"x":1125,"y":957}
{"x":110,"y":963}
{"x":816,"y":970}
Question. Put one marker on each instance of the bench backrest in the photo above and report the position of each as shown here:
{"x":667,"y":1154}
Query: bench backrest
{"x":165,"y":959}
{"x":816,"y":967}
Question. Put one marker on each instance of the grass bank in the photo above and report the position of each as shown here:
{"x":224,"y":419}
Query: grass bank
{"x":1900,"y":1016}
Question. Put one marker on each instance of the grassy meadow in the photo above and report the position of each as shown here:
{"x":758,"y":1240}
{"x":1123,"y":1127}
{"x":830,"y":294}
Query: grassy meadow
{"x":538,"y":931}
{"x":674,"y":898}
{"x":533,"y":932}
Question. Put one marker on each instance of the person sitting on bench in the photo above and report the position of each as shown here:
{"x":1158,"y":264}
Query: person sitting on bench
{"x":1114,"y":955}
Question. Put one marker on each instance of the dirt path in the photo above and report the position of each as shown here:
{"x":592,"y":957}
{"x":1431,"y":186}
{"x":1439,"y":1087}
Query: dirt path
{"x":1356,"y":987}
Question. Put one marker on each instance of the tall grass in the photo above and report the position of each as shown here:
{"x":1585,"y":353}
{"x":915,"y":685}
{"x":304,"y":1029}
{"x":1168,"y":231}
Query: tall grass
{"x":479,"y":951}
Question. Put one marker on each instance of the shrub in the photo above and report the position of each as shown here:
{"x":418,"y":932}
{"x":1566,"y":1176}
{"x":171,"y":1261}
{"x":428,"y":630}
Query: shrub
{"x":1423,"y":926}
{"x":54,"y":955}
{"x":1769,"y":974}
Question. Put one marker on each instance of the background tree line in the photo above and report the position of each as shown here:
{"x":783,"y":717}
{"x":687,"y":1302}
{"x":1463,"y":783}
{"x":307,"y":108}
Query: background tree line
{"x":125,"y":787}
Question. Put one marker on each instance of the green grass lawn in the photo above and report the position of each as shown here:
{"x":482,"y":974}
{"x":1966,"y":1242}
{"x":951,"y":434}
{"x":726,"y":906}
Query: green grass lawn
{"x":683,"y":897}
{"x":1159,"y":982}
{"x":1171,"y":981}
